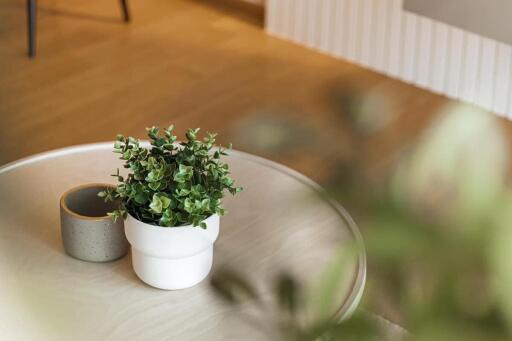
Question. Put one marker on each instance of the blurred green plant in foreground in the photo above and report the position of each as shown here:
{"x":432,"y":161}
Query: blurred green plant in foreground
{"x":437,"y":229}
{"x":287,"y":309}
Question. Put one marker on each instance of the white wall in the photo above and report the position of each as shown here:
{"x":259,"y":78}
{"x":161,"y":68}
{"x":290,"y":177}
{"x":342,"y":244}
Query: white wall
{"x":490,"y":18}
{"x":380,"y":35}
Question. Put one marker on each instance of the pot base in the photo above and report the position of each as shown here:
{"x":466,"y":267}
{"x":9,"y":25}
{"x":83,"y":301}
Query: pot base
{"x":172,"y":274}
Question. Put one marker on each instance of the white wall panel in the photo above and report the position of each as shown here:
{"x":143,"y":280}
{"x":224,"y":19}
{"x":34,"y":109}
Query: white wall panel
{"x":438,"y":68}
{"x":368,"y":36}
{"x":297,"y":26}
{"x":381,"y":19}
{"x":455,"y":61}
{"x":509,"y":106}
{"x":354,"y":31}
{"x":312,"y":23}
{"x":339,"y":32}
{"x":395,"y":38}
{"x":469,"y":77}
{"x":325,"y":22}
{"x":422,"y":77}
{"x":409,"y":48}
{"x":487,"y":73}
{"x":503,"y":75}
{"x":289,"y":20}
{"x":380,"y":35}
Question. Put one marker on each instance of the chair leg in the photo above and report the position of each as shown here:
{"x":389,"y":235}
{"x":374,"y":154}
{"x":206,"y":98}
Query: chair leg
{"x":31,"y":27}
{"x":126,"y":11}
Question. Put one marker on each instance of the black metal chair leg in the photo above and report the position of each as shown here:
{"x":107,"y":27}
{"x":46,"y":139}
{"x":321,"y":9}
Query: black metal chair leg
{"x":32,"y":21}
{"x":31,"y":27}
{"x":126,"y":12}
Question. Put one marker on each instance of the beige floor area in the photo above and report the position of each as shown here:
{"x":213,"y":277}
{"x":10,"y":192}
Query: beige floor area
{"x":205,"y":64}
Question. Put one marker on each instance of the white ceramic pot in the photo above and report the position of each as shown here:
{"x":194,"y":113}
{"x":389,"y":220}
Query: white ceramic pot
{"x":172,"y":257}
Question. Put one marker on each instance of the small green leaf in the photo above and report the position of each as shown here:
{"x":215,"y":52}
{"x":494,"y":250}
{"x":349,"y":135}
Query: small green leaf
{"x":182,"y":192}
{"x":156,"y":204}
{"x":141,"y":198}
{"x":188,"y":205}
{"x":165,"y":201}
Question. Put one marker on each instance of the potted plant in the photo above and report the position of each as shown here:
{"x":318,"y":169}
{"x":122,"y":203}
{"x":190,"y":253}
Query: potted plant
{"x":171,"y":201}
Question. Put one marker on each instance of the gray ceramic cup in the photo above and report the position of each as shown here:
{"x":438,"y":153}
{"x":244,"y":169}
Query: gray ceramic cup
{"x":88,"y":233}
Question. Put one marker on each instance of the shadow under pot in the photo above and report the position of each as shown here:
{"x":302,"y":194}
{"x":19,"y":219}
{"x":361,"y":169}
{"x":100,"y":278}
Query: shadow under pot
{"x":88,"y":233}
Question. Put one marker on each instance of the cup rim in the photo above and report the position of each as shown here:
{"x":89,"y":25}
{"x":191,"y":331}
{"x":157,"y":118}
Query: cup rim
{"x":65,"y":207}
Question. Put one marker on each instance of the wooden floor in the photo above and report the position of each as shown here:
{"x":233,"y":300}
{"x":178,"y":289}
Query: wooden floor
{"x":191,"y":63}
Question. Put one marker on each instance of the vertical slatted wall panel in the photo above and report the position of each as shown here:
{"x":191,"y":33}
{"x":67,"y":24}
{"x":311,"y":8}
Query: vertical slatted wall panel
{"x":395,"y":38}
{"x":487,"y":73}
{"x":409,"y":49}
{"x":425,"y":53}
{"x":455,"y":61}
{"x":380,"y":35}
{"x":470,"y":71}
{"x":503,"y":78}
{"x":338,"y":31}
{"x":438,"y":68}
{"x":368,"y":36}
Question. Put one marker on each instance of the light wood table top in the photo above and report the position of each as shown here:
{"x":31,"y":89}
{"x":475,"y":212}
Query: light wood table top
{"x":282,"y":221}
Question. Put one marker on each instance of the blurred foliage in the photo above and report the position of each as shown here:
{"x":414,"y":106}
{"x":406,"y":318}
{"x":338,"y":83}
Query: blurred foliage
{"x":271,"y":132}
{"x":367,"y":113}
{"x":285,"y":312}
{"x":437,"y":224}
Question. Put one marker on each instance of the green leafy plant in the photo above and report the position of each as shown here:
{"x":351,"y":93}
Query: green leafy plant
{"x":171,"y":184}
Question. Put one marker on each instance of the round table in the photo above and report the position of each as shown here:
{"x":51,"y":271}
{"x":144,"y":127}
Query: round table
{"x":282,"y":221}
